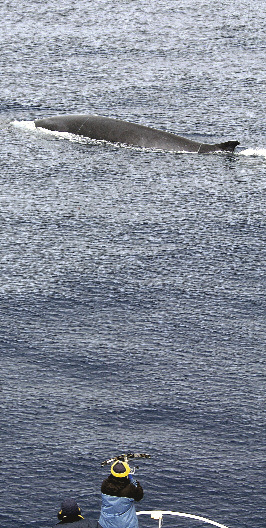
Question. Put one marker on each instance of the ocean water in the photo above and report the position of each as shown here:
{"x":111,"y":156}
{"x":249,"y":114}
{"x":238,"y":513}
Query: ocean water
{"x":133,"y":282}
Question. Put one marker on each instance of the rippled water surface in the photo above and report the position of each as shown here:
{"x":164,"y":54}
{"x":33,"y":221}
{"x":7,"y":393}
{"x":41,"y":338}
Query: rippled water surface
{"x":133,"y":282}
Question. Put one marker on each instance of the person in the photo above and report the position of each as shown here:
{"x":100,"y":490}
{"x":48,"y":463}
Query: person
{"x":70,"y":515}
{"x":119,"y":493}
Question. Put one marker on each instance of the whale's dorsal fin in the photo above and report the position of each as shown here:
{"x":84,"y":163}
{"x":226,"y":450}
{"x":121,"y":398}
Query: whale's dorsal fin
{"x":228,"y":146}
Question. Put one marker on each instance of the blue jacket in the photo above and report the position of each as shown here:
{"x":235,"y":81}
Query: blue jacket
{"x":118,"y":512}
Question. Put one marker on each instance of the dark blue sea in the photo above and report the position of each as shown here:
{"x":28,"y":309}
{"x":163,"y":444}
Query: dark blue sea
{"x":132,"y":282}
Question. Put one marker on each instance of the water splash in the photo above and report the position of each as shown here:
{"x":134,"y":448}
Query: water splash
{"x":28,"y":125}
{"x":253,"y":152}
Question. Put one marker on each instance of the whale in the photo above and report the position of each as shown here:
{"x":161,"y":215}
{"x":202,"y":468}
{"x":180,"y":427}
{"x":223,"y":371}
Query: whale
{"x":128,"y":133}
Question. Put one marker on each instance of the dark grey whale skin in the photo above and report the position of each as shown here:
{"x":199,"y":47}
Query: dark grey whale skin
{"x":119,"y":131}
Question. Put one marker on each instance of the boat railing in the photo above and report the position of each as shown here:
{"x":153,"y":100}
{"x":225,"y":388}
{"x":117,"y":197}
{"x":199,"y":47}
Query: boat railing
{"x":158,"y":515}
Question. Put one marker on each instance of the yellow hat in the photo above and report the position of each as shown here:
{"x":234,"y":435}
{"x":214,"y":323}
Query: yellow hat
{"x":120,"y":469}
